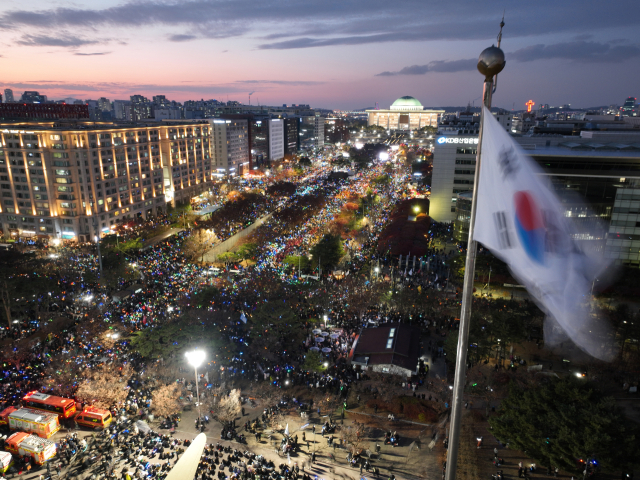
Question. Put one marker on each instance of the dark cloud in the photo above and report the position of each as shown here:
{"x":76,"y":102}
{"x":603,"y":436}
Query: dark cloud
{"x":336,"y":22}
{"x":93,"y":54}
{"x":48,"y":41}
{"x":444,"y":66}
{"x":579,"y":51}
{"x":181,"y":38}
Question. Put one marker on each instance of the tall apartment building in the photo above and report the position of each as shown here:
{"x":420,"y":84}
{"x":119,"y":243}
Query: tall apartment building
{"x":230,"y":146}
{"x":276,"y":139}
{"x":8,"y":95}
{"x":75,"y":181}
{"x":122,"y":110}
{"x":141,"y":108}
{"x":292,"y":135}
{"x":312,"y":132}
{"x":104,"y":104}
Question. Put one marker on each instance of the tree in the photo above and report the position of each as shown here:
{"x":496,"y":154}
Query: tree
{"x":166,"y":400}
{"x":225,"y":408}
{"x":228,"y":257}
{"x":198,"y":243}
{"x":354,"y":438}
{"x":304,"y":161}
{"x":247,"y":250}
{"x":565,"y":420}
{"x":328,"y":251}
{"x":105,"y":386}
{"x":18,"y":283}
{"x":296,"y":261}
{"x":313,"y":362}
{"x":176,"y":337}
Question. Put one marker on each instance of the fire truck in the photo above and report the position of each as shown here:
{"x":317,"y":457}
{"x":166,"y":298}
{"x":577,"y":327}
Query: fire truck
{"x":31,"y":421}
{"x":24,"y":444}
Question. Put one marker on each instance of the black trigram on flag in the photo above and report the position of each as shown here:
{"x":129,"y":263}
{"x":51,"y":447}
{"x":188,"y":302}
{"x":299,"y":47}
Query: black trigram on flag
{"x":502,"y":229}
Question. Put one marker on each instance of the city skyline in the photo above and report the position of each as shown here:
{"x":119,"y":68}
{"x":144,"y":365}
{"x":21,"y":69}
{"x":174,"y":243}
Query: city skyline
{"x":338,"y":55}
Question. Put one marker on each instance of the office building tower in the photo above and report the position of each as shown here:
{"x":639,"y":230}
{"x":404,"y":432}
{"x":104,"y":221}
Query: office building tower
{"x":8,"y":95}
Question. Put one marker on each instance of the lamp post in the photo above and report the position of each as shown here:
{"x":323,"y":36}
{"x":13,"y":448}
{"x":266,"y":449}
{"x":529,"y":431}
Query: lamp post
{"x":195,"y":359}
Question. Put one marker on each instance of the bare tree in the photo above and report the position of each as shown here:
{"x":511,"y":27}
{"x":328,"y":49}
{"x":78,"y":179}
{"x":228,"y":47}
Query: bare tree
{"x":105,"y":386}
{"x":277,"y":422}
{"x":198,"y":243}
{"x":353,"y":438}
{"x":166,"y":400}
{"x":225,"y":408}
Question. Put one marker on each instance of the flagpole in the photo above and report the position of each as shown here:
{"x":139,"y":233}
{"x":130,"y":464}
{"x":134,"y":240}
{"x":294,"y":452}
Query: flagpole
{"x":490,"y":63}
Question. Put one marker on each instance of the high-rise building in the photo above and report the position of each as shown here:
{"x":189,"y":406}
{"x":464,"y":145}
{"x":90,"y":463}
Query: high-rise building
{"x":33,"y":97}
{"x":104,"y":104}
{"x":292,"y":135}
{"x":8,"y":95}
{"x":76,"y":181}
{"x":230,"y":146}
{"x":259,"y":136}
{"x":141,"y":108}
{"x":312,"y":132}
{"x":276,"y":139}
{"x":122,"y":110}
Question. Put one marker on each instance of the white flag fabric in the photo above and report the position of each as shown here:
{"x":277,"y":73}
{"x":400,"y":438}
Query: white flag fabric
{"x":206,"y":377}
{"x":522,"y":221}
{"x":243,"y":317}
{"x":286,"y":430}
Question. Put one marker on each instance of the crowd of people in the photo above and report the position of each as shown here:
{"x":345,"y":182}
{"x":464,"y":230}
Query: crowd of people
{"x":167,"y":278}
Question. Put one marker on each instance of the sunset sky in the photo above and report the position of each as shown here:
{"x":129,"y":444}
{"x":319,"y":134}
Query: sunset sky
{"x":341,"y":54}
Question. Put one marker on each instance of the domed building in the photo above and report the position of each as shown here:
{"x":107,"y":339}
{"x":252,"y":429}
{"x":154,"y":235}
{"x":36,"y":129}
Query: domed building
{"x":405,"y":114}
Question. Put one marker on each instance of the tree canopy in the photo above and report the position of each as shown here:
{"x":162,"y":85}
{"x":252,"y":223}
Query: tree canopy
{"x":328,"y":251}
{"x":563,"y":421}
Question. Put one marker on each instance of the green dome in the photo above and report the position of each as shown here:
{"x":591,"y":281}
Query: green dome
{"x":406,"y":101}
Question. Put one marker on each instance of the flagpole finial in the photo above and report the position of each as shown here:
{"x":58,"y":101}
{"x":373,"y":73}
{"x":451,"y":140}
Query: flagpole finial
{"x":491,"y":62}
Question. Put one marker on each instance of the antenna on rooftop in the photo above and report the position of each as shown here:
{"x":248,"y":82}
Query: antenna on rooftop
{"x":495,"y":84}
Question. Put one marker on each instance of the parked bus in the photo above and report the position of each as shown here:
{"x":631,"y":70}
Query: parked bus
{"x":93,"y":417}
{"x":63,"y":407}
{"x":40,"y":449}
{"x":43,"y":424}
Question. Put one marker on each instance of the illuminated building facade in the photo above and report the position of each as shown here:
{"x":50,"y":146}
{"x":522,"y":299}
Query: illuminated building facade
{"x":76,"y":181}
{"x":230,"y":147}
{"x":406,"y":114}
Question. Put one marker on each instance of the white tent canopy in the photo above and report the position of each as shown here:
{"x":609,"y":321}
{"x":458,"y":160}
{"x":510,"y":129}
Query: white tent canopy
{"x":187,"y":466}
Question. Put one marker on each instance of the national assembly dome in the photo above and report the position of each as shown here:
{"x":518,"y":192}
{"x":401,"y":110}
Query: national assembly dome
{"x":406,"y":103}
{"x":406,"y":114}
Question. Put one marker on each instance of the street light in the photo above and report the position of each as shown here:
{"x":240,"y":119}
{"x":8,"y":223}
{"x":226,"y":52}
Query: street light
{"x":195,"y":359}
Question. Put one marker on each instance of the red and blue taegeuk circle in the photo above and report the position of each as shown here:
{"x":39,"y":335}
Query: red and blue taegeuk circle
{"x":529,"y":225}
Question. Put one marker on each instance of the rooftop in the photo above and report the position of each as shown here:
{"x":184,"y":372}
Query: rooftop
{"x":397,"y":344}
